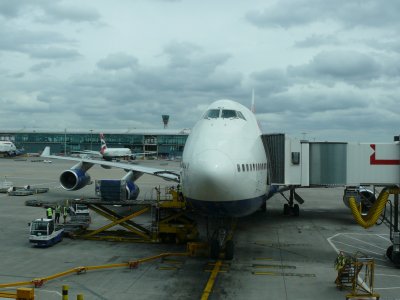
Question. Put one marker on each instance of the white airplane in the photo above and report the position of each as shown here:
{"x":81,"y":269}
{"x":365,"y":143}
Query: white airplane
{"x":223,"y":174}
{"x":8,"y":148}
{"x":109,"y":153}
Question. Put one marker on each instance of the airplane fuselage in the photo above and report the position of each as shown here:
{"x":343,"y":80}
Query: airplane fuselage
{"x":111,"y":153}
{"x":224,"y":165}
{"x":8,"y":147}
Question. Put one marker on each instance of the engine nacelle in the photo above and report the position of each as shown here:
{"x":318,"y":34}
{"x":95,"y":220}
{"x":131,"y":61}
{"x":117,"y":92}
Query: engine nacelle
{"x":132,"y":190}
{"x":74,"y":179}
{"x":362,"y":195}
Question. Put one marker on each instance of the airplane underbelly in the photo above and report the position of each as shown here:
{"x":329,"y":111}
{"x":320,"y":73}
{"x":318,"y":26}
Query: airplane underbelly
{"x":235,"y":209}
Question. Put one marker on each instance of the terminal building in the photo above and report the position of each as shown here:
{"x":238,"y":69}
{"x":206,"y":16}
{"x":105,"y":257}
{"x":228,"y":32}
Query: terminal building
{"x":166,"y":143}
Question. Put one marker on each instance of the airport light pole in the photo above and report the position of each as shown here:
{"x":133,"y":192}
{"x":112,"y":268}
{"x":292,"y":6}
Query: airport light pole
{"x":91,"y":131}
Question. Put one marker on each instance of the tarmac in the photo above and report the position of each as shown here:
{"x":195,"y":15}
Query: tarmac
{"x":276,"y":256}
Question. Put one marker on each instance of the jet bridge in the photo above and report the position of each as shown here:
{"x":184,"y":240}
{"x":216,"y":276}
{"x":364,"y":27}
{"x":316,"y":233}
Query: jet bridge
{"x":307,"y":164}
{"x":297,"y":163}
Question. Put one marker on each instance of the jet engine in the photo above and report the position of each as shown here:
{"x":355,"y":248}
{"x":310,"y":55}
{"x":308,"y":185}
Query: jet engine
{"x":76,"y":177}
{"x":364,"y":196}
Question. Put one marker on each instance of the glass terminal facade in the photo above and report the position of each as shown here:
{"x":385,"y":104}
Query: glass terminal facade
{"x":164,"y":144}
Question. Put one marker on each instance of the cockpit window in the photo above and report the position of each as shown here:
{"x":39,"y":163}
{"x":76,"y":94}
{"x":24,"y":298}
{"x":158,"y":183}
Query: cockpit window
{"x":228,"y":113}
{"x":240,"y":115}
{"x":224,"y":113}
{"x":212,"y":114}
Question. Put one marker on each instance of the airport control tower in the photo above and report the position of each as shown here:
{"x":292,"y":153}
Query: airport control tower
{"x":165,"y":119}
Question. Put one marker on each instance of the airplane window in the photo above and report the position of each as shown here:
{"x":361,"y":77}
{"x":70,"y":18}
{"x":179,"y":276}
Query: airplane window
{"x":254,"y":167}
{"x":229,"y":113}
{"x":238,"y":167}
{"x":212,"y":114}
{"x":240,"y":115}
{"x":243,"y":167}
{"x":247,"y":167}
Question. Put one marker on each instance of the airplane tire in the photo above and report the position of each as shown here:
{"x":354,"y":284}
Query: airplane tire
{"x":214,"y":249}
{"x":285,"y":209}
{"x":229,"y":250}
{"x":389,"y":252}
{"x":296,"y":210}
{"x":396,"y":258}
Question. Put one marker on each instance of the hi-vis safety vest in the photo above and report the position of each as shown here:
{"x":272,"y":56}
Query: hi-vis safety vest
{"x":49,"y":212}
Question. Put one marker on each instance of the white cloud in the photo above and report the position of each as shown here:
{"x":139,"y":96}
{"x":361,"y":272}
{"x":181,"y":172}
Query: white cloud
{"x":324,"y":67}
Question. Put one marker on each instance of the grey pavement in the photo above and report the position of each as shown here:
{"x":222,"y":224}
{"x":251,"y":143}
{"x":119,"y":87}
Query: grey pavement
{"x":277,"y":257}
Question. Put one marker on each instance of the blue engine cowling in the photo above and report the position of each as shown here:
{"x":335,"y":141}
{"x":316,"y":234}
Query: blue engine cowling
{"x":74,"y":179}
{"x":132,"y":190}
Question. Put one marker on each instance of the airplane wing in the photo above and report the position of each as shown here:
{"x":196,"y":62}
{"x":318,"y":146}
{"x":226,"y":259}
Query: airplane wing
{"x":138,"y":170}
{"x":89,"y":152}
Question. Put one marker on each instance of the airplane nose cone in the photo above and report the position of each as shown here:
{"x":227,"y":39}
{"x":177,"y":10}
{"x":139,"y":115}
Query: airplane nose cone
{"x":212,"y":175}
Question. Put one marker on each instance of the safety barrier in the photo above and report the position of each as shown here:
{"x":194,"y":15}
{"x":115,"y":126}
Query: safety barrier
{"x":38,"y":282}
{"x":375,"y":211}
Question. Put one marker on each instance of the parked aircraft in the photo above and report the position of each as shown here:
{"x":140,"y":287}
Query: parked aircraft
{"x":112,"y":153}
{"x":224,"y":169}
{"x":8,"y":148}
{"x":109,"y":153}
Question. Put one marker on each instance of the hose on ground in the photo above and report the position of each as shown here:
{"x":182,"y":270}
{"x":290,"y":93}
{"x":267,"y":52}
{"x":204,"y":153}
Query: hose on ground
{"x":375,"y":211}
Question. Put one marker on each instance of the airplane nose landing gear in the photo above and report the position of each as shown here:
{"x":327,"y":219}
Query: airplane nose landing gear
{"x":221,"y":240}
{"x":290,"y":208}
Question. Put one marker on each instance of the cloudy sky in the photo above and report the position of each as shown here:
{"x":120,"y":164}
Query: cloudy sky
{"x":324,"y":70}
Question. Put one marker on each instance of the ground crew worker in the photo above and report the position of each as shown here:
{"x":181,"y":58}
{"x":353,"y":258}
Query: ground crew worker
{"x":340,"y":261}
{"x":65,"y":213}
{"x":49,"y":213}
{"x":58,"y":212}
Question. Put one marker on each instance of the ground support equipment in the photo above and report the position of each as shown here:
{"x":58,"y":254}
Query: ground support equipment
{"x":169,"y":222}
{"x":393,"y":251}
{"x":357,"y":273}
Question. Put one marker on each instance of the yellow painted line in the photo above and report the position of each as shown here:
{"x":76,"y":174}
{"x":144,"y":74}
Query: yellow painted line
{"x":210,"y":283}
{"x":222,"y":264}
{"x":220,"y":271}
{"x":167,"y":268}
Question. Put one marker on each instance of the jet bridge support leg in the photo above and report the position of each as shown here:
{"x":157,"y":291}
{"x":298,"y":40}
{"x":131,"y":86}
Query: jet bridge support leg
{"x":393,"y":252}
